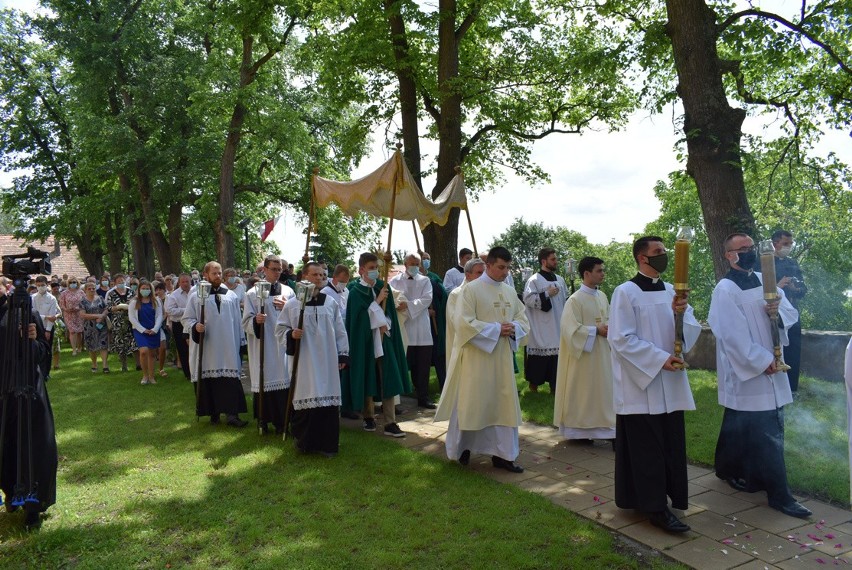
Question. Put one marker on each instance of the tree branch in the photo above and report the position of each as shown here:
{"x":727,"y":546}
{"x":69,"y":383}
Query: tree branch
{"x":788,"y":24}
{"x":469,"y":20}
{"x":429,"y":104}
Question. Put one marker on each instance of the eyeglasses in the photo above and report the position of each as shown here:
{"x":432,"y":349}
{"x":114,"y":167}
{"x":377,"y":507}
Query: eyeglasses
{"x":742,"y":249}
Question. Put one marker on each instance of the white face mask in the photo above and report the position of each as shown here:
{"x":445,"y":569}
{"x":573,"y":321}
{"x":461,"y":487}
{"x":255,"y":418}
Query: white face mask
{"x":412,"y":270}
{"x":42,"y":289}
{"x":373,"y":274}
{"x":784,"y":251}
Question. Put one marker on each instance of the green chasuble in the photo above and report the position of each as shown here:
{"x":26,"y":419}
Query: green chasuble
{"x":439,"y":301}
{"x":359,"y":378}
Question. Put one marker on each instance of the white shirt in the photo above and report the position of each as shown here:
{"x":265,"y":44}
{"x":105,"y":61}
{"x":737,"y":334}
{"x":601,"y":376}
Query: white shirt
{"x":176,"y":304}
{"x":418,"y":291}
{"x":453,"y":278}
{"x":46,"y":306}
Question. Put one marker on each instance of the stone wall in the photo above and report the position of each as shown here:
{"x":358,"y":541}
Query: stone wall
{"x":822,"y":353}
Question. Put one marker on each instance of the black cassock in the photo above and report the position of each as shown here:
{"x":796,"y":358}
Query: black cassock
{"x":39,"y":431}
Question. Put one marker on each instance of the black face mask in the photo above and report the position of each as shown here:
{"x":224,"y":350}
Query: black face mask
{"x":659,"y":262}
{"x":746,"y":260}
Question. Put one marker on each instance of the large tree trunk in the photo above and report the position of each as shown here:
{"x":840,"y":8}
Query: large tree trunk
{"x":441,"y":242}
{"x":162,"y":245}
{"x":115,"y":242}
{"x":91,"y":252}
{"x":713,"y":129}
{"x":224,"y":239}
{"x":140,"y":242}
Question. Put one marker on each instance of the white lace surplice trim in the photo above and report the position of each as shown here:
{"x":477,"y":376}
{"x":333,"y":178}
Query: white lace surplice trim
{"x":542,"y":351}
{"x":318,"y":402}
{"x":221,"y":373}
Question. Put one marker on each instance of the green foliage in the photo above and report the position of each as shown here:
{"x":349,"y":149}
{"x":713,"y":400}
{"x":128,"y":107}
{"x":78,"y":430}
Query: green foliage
{"x":810,"y":197}
{"x":524,"y":240}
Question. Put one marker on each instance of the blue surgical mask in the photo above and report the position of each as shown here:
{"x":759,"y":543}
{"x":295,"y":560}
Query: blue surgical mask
{"x":72,"y":286}
{"x":373,"y":274}
{"x":104,"y":283}
{"x":413,"y":270}
{"x":120,"y":286}
{"x":145,"y":292}
{"x":134,"y":288}
{"x":232,"y":280}
{"x":427,"y":263}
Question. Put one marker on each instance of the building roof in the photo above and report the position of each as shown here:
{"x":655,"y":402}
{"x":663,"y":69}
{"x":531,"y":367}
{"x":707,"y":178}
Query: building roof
{"x":63,"y":259}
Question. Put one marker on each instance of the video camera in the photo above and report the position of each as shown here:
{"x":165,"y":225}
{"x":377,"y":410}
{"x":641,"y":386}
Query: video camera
{"x":23,"y":265}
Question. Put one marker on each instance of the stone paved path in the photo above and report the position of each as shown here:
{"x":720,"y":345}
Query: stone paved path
{"x":729,"y":529}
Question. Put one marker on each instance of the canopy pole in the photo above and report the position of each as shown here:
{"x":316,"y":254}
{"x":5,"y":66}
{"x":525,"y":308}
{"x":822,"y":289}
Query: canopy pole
{"x":467,"y":212}
{"x":397,"y":186}
{"x":306,"y":258}
{"x":416,"y":239}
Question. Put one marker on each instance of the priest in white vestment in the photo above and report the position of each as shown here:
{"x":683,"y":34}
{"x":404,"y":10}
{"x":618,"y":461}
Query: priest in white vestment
{"x":323,"y":350}
{"x":220,"y":390}
{"x":259,"y":324}
{"x":650,"y":391}
{"x":750,"y":449}
{"x":417,"y":290}
{"x":480,"y":397}
{"x":583,"y":408}
{"x":473,"y":269}
{"x":544,"y":295}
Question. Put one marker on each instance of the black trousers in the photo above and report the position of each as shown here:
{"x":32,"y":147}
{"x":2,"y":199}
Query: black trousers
{"x":182,"y":345}
{"x":650,"y":461}
{"x":793,"y":355}
{"x":751,"y":447}
{"x":419,"y":362}
{"x":45,"y":366}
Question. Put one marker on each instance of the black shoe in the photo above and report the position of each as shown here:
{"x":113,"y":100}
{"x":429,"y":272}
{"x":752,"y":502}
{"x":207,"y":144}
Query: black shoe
{"x":369,"y":424}
{"x":465,"y":457}
{"x":349,"y":415}
{"x":393,"y":430}
{"x":235,"y":421}
{"x":792,"y":509}
{"x":737,"y":484}
{"x":666,"y":520}
{"x":215,"y":419}
{"x":263,"y":428}
{"x":510,"y":466}
{"x":427,"y":405}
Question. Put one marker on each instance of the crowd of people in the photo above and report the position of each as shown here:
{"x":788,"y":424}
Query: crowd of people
{"x":330,"y":343}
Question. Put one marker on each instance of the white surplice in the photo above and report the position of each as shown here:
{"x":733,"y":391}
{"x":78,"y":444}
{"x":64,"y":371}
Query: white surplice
{"x":544,"y":324}
{"x":276,"y":375}
{"x":222,"y":336}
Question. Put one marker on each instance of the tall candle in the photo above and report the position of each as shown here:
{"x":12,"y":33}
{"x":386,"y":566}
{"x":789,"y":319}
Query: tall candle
{"x":767,"y":268}
{"x":681,"y":271}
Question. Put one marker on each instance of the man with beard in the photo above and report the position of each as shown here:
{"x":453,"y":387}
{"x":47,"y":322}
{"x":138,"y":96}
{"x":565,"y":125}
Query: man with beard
{"x":544,"y":296}
{"x":217,"y":376}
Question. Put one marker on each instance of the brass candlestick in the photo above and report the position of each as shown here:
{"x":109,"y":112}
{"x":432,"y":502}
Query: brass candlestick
{"x":681,"y":286}
{"x":770,"y":294}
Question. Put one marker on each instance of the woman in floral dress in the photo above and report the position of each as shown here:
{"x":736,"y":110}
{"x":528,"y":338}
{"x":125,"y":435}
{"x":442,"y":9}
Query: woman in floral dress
{"x":69,"y":302}
{"x":117,"y":302}
{"x":94,"y":313}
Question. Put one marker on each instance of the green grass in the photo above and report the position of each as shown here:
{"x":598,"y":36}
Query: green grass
{"x":816,"y":442}
{"x":141,"y":484}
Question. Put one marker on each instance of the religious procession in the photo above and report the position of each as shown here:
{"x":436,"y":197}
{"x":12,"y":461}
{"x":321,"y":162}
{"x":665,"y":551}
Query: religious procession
{"x":328,"y":343}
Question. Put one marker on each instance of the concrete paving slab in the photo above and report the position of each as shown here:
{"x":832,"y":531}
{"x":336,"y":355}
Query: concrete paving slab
{"x":608,"y":514}
{"x":649,"y":535}
{"x":827,"y":514}
{"x":822,"y":538}
{"x":590,"y":481}
{"x":766,"y":546}
{"x":707,"y":554}
{"x":720,"y":503}
{"x":601,"y":465}
{"x":768,"y":519}
{"x":716,"y":526}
